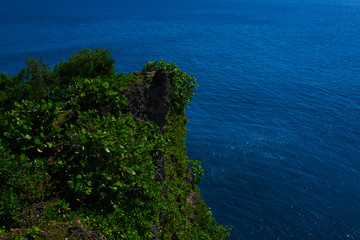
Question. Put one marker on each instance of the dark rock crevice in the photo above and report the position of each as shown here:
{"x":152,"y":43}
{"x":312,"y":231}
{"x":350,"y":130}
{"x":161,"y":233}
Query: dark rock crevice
{"x":150,"y":102}
{"x":159,"y":98}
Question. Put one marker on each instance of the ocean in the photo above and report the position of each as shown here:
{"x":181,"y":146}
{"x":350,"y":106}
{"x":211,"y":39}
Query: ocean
{"x":276,"y":119}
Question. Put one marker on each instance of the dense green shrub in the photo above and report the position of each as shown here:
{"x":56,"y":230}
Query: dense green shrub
{"x":87,"y":63}
{"x":99,"y":92}
{"x":11,"y":90}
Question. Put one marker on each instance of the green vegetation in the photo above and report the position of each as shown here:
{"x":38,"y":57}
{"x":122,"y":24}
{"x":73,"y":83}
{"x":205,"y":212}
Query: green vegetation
{"x":74,"y":165}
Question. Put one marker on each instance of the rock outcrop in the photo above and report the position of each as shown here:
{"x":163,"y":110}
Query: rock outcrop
{"x":159,"y":99}
{"x":150,"y":102}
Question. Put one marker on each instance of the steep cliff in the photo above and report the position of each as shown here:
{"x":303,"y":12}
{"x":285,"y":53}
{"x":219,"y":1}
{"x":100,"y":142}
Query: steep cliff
{"x":87,"y":153}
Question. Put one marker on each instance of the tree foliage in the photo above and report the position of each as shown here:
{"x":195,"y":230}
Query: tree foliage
{"x":87,"y":63}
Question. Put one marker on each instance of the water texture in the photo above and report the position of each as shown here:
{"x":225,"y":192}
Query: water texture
{"x":276,"y":117}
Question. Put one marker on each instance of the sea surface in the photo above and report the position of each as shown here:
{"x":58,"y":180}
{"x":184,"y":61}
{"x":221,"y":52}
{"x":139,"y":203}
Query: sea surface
{"x":276,"y":119}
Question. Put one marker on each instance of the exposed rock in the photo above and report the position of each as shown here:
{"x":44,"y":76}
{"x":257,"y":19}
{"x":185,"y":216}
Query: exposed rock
{"x":150,"y":74}
{"x":160,"y":172}
{"x":154,"y":233}
{"x":150,"y":103}
{"x":137,"y":96}
{"x":193,"y":198}
{"x":79,"y":232}
{"x":32,"y":216}
{"x":159,"y":101}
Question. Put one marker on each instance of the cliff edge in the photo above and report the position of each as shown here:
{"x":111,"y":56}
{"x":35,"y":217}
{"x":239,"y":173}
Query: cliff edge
{"x":87,"y":153}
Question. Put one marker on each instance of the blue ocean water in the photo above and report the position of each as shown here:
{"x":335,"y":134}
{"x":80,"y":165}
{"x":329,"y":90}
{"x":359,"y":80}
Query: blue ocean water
{"x":276,"y":119}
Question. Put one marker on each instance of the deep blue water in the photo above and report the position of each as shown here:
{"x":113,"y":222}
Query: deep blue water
{"x":276,"y":119}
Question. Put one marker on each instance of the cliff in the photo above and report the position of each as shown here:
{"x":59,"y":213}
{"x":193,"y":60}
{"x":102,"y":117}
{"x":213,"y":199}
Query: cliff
{"x":87,"y":153}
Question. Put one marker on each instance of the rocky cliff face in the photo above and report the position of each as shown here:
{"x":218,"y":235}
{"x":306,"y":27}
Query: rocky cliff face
{"x":159,"y":99}
{"x":150,"y":102}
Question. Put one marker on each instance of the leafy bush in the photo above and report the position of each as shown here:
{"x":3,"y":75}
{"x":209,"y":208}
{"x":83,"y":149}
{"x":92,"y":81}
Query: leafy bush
{"x":99,"y":93}
{"x":29,"y":127}
{"x":11,"y":90}
{"x":87,"y":63}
